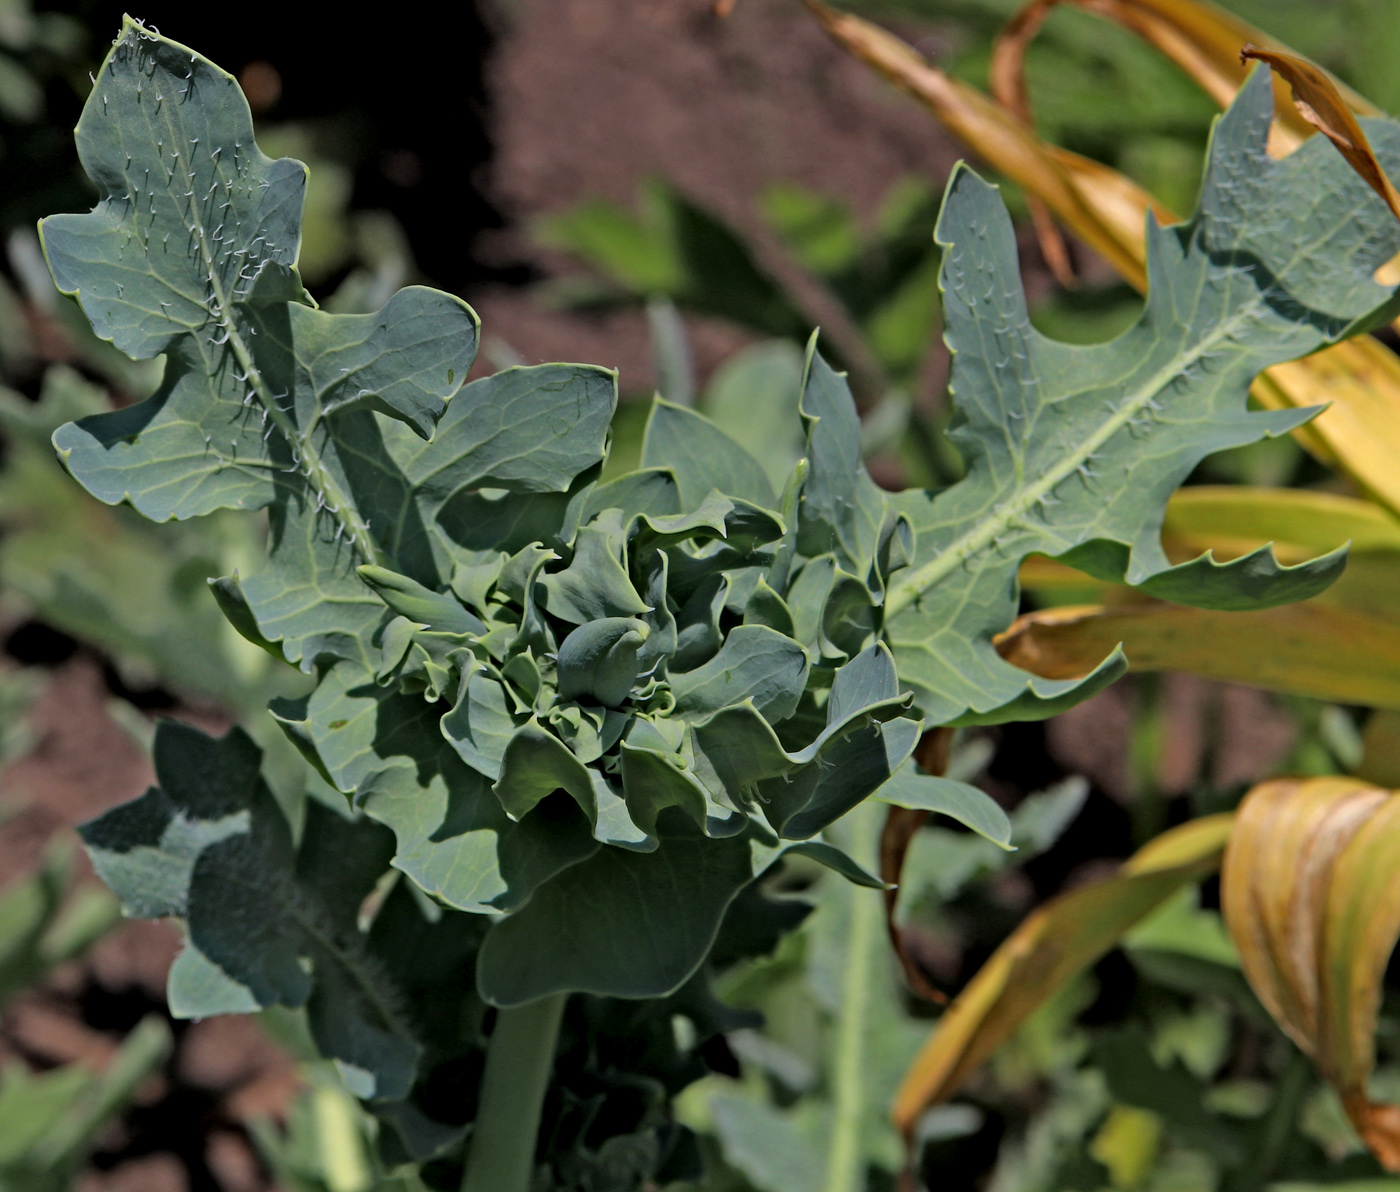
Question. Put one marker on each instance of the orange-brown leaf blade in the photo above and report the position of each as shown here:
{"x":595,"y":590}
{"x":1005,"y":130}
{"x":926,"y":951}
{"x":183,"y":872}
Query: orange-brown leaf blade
{"x":1310,"y":890}
{"x":1053,"y":175}
{"x":1309,"y":649}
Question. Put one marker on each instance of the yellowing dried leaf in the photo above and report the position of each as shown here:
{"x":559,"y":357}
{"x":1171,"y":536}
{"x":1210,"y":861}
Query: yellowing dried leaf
{"x":1358,"y":381}
{"x":1203,"y":40}
{"x":1307,"y":649}
{"x":1234,"y":519}
{"x":1052,"y":947}
{"x":1104,"y":208}
{"x":1311,"y":894}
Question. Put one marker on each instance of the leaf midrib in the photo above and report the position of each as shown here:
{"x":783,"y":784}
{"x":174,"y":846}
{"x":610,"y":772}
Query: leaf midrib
{"x":312,"y":467}
{"x":1006,"y":515}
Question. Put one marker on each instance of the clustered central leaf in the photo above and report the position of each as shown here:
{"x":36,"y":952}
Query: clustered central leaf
{"x":641,"y":653}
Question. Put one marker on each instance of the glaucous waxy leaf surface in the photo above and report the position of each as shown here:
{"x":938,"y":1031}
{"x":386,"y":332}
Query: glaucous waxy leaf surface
{"x":1072,"y":451}
{"x":191,"y":253}
{"x":591,"y":714}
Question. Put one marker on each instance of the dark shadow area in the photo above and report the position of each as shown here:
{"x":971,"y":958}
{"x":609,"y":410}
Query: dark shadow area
{"x":407,"y":117}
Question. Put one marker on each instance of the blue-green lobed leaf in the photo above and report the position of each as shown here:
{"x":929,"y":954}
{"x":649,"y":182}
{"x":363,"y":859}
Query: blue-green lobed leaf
{"x":1072,"y":451}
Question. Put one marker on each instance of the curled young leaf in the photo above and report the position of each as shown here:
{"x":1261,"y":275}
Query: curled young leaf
{"x":599,"y":659}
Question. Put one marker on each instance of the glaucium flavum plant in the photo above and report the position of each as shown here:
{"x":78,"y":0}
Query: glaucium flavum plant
{"x":579,"y":718}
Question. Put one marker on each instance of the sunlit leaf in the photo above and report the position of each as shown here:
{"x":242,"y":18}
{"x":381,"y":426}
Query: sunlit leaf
{"x":1071,"y":492}
{"x":1359,"y":379}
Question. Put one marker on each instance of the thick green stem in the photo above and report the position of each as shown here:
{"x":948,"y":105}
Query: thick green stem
{"x":845,"y":1165}
{"x":518,"y":1063}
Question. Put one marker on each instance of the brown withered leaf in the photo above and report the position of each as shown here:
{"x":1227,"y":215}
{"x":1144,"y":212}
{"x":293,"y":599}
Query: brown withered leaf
{"x":1310,"y":891}
{"x":1321,"y":104}
{"x":1309,"y":649}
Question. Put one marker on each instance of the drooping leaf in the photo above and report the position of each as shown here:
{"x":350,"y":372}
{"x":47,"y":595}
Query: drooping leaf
{"x":1100,"y":205}
{"x":1203,"y":40}
{"x":1310,"y":894}
{"x":1321,"y":104}
{"x":943,"y":796}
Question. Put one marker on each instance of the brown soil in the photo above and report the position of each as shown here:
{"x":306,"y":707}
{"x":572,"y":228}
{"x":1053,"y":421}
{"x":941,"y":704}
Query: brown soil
{"x":593,"y":96}
{"x":186,"y":1130}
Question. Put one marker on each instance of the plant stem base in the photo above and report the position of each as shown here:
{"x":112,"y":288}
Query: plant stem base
{"x":518,"y":1064}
